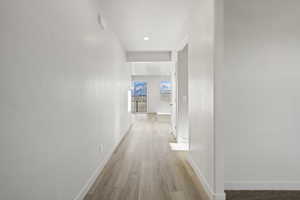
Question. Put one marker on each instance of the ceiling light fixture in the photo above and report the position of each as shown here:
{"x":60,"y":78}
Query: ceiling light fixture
{"x":146,"y":38}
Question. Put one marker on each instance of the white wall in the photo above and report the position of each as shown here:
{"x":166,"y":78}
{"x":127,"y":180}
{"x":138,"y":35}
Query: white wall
{"x":260,"y":84}
{"x":148,"y":56}
{"x":204,"y":51}
{"x":60,"y":79}
{"x":174,"y":96}
{"x":151,"y":68}
{"x":156,"y":102}
{"x":182,"y":96}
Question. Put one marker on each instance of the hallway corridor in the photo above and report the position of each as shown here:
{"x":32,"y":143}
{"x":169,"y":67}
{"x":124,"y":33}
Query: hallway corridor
{"x":144,"y":167}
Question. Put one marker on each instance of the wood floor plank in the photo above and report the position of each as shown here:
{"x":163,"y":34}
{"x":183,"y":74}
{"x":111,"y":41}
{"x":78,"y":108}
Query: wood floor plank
{"x":179,"y":195}
{"x":144,"y":167}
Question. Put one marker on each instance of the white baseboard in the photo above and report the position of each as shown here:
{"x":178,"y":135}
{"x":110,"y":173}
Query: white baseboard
{"x":208,"y":189}
{"x":263,"y":185}
{"x":83,"y":192}
{"x":219,"y":196}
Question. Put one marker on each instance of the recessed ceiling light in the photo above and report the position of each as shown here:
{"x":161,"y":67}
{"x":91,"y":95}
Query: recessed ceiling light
{"x":146,"y":38}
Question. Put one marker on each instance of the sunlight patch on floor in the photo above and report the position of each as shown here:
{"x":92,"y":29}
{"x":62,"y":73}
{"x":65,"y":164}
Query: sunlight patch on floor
{"x":179,"y":146}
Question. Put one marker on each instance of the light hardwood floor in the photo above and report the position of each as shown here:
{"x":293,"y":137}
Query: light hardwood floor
{"x":144,"y":167}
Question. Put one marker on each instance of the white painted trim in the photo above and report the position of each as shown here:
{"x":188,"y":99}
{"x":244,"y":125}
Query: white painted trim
{"x":263,"y":185}
{"x":208,"y":189}
{"x":83,"y":192}
{"x":174,"y":94}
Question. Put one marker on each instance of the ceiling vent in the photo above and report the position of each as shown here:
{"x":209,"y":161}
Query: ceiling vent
{"x":101,"y":22}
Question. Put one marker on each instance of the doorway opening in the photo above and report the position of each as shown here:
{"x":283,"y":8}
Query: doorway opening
{"x":139,"y":98}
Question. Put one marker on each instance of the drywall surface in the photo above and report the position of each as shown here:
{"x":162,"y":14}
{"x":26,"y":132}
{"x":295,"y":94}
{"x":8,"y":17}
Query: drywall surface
{"x":261,"y":98}
{"x":158,"y":103}
{"x":63,"y":86}
{"x":182,"y":97}
{"x":174,"y":98}
{"x":200,"y":72}
{"x":149,"y":56}
{"x":151,"y":68}
{"x":204,"y":40}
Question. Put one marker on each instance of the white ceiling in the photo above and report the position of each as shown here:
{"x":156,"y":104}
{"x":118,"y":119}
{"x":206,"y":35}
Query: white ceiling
{"x":160,"y":20}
